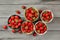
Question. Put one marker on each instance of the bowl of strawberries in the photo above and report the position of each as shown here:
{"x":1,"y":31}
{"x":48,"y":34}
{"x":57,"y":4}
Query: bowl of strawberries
{"x":31,"y":14}
{"x":27,"y":27}
{"x":40,"y":28}
{"x":47,"y":16}
{"x":15,"y":21}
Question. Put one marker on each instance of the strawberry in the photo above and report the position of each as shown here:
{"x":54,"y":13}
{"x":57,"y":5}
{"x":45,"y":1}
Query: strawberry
{"x":12,"y":17}
{"x":16,"y":17}
{"x":34,"y":34}
{"x":18,"y":12}
{"x":13,"y":31}
{"x":20,"y":20}
{"x":5,"y":27}
{"x":24,"y":7}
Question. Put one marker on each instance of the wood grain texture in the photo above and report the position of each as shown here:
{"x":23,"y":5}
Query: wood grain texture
{"x":7,"y":10}
{"x":19,"y":1}
{"x":30,"y":2}
{"x":50,"y":35}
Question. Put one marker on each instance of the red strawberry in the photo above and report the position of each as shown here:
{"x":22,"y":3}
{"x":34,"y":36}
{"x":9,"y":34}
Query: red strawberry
{"x":16,"y":26}
{"x":45,"y":29}
{"x":20,"y":20}
{"x":19,"y":24}
{"x":9,"y":24}
{"x":12,"y":17}
{"x":42,"y":31}
{"x":24,"y":7}
{"x":34,"y":34}
{"x":51,"y":17}
{"x":13,"y":31}
{"x":16,"y":17}
{"x":41,"y":28}
{"x":10,"y":20}
{"x":18,"y":12}
{"x":5,"y":27}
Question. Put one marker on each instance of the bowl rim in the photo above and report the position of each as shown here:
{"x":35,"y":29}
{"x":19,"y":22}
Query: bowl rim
{"x":44,"y":32}
{"x":31,"y":31}
{"x":25,"y":13}
{"x":9,"y":23}
{"x":42,"y":13}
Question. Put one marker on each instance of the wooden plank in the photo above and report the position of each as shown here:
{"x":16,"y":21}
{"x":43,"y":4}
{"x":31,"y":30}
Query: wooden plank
{"x":19,"y":1}
{"x":50,"y":35}
{"x":7,"y":10}
{"x":30,"y":2}
{"x":50,"y":2}
{"x":54,"y":25}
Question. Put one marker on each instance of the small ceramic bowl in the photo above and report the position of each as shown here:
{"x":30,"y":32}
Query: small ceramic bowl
{"x":50,"y":19}
{"x":37,"y":13}
{"x":27,"y":24}
{"x":40,"y":30}
{"x":10,"y":23}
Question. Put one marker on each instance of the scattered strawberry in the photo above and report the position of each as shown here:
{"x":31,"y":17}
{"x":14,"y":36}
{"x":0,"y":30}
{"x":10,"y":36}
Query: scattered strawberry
{"x":34,"y":34}
{"x":19,"y":31}
{"x":18,"y":12}
{"x":5,"y":27}
{"x":24,"y":7}
{"x":13,"y":31}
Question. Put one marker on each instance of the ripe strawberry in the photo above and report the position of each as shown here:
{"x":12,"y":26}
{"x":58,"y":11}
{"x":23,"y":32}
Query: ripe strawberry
{"x":12,"y":17}
{"x":34,"y":34}
{"x":9,"y":20}
{"x":41,"y":28}
{"x":13,"y":31}
{"x":19,"y":24}
{"x":5,"y":27}
{"x":16,"y":26}
{"x":18,"y":12}
{"x":16,"y":17}
{"x":42,"y":31}
{"x":20,"y":20}
{"x":24,"y":7}
{"x":9,"y":24}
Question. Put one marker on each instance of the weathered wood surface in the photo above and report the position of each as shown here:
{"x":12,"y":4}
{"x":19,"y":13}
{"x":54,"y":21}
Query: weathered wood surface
{"x":7,"y":10}
{"x":29,"y":2}
{"x":8,"y":7}
{"x":50,"y":35}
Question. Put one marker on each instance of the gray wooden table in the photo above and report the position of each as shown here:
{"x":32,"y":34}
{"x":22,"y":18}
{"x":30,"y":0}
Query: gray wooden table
{"x":8,"y":7}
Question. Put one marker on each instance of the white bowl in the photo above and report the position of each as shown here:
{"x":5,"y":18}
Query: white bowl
{"x":30,"y":32}
{"x":36,"y":18}
{"x":44,"y":32}
{"x":42,"y":13}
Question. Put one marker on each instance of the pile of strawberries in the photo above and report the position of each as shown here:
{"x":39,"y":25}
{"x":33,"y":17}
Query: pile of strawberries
{"x":31,"y":14}
{"x":31,"y":25}
{"x":40,"y":28}
{"x":27,"y":27}
{"x":47,"y":16}
{"x":15,"y":21}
